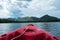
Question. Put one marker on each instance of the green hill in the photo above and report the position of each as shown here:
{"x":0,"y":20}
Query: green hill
{"x":45,"y":18}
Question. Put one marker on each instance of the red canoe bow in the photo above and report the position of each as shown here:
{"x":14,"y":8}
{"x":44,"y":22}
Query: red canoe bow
{"x":28,"y":32}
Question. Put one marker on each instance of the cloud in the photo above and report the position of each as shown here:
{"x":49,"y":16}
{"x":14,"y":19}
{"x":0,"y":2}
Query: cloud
{"x":39,"y":7}
{"x":4,"y":13}
{"x":17,"y":8}
{"x":1,"y":7}
{"x":15,"y":12}
{"x":10,"y":8}
{"x":57,"y":4}
{"x":43,"y":5}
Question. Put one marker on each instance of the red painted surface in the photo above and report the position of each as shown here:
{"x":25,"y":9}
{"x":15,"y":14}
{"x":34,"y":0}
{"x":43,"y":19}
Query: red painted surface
{"x":32,"y":33}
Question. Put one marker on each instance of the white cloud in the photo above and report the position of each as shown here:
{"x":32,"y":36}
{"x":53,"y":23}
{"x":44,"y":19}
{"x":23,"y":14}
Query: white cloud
{"x":39,"y":7}
{"x":4,"y":13}
{"x":33,"y":8}
{"x":43,"y":5}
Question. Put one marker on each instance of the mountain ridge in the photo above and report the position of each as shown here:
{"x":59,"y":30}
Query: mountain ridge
{"x":45,"y":18}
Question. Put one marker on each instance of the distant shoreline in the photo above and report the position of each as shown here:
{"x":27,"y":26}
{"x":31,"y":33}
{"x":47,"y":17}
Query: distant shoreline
{"x":29,"y":22}
{"x":45,"y":18}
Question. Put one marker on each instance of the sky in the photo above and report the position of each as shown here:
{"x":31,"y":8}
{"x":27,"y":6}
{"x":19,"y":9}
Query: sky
{"x":23,"y":8}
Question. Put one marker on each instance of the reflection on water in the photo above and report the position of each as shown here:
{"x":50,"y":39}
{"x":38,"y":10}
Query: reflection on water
{"x":52,"y":27}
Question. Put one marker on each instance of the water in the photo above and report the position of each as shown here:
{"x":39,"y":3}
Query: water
{"x":51,"y":27}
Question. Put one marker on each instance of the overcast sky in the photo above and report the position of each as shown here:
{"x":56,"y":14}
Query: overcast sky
{"x":21,"y":8}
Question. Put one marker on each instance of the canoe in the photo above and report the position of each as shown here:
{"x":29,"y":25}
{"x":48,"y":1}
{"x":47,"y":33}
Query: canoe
{"x":28,"y":32}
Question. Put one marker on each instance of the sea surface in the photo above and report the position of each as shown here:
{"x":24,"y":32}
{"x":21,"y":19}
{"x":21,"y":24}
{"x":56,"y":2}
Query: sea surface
{"x":51,"y":27}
